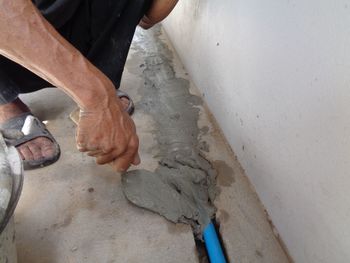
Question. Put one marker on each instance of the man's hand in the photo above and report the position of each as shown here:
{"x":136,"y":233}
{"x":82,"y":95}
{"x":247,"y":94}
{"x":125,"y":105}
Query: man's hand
{"x":104,"y":131}
{"x":109,"y":134}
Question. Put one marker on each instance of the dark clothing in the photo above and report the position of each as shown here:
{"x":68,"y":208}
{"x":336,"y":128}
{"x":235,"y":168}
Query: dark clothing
{"x":102,"y":30}
{"x":58,"y":12}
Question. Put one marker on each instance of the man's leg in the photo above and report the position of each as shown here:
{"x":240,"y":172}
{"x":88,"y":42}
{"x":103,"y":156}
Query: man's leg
{"x":11,"y":106}
{"x":113,"y":36}
{"x":105,"y":36}
{"x":102,"y":31}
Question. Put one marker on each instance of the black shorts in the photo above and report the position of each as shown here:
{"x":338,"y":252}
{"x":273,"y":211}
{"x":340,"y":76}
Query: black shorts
{"x":102,"y":30}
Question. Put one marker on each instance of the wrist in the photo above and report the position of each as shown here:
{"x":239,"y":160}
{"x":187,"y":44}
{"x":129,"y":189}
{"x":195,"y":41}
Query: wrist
{"x":96,"y":96}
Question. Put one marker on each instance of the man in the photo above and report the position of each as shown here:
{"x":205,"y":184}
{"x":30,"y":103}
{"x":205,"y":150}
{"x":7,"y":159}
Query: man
{"x":79,"y":46}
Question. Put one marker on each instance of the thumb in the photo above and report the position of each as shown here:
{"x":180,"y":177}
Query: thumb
{"x":137,"y":159}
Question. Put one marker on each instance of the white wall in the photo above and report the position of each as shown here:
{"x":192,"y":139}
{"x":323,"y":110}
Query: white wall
{"x":276,"y":75}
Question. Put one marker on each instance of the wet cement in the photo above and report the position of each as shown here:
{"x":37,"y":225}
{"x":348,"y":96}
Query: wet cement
{"x":225,"y":173}
{"x":182,"y":188}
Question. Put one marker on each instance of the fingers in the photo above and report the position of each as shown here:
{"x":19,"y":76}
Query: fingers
{"x":127,"y":151}
{"x":80,"y":142}
{"x":95,"y":148}
{"x":109,"y":136}
{"x":96,"y":153}
{"x":106,"y":158}
{"x":123,"y":163}
{"x":137,"y":159}
{"x":131,"y":156}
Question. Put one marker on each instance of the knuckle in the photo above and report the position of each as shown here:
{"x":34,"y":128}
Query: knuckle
{"x":122,"y":148}
{"x":100,"y":160}
{"x":93,"y":142}
{"x":134,"y":144}
{"x":80,"y":140}
{"x":120,"y":168}
{"x":107,"y":148}
{"x":132,"y":148}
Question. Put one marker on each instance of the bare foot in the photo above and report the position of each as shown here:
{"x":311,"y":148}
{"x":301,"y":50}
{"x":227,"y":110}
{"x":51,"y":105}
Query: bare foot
{"x":36,"y":149}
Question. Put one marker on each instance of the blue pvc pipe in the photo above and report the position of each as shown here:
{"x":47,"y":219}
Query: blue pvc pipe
{"x":212,"y":243}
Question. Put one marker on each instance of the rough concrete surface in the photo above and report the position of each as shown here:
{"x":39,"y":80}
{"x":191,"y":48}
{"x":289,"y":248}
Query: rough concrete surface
{"x":183,"y":187}
{"x":244,"y":227}
{"x":75,"y":211}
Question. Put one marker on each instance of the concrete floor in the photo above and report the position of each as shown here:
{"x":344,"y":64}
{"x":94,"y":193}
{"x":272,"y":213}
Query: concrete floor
{"x":75,"y":211}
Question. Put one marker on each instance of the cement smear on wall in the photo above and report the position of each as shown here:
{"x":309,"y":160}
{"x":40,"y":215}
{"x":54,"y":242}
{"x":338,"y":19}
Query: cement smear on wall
{"x":182,"y":188}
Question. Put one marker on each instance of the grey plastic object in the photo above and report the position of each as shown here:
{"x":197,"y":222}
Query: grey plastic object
{"x":11,"y":182}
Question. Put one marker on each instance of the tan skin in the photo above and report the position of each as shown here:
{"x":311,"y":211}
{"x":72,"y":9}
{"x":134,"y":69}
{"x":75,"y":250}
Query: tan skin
{"x":104,"y":131}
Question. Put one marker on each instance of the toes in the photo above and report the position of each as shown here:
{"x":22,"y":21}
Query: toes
{"x":37,"y":149}
{"x":25,"y":152}
{"x":125,"y":102}
{"x":47,"y":147}
{"x":21,"y":154}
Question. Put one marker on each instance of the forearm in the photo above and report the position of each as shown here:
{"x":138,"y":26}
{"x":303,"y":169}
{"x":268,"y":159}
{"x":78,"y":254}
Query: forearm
{"x":28,"y":39}
{"x":158,"y":10}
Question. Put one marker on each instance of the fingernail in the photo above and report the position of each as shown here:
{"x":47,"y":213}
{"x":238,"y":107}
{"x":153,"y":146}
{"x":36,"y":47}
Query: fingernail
{"x":137,"y":160}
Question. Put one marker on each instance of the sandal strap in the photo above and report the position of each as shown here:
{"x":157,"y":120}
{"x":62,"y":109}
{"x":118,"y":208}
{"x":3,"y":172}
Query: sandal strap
{"x":131,"y":106}
{"x":30,"y":126}
{"x":15,"y":123}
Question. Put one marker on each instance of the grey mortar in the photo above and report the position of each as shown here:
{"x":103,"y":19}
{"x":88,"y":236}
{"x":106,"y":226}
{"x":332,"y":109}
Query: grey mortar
{"x":182,"y":188}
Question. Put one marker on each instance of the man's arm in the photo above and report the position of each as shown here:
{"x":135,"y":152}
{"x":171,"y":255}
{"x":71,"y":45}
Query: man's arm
{"x":158,"y":10}
{"x":104,"y":130}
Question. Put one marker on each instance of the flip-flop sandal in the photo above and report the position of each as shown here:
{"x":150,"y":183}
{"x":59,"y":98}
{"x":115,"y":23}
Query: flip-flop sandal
{"x":74,"y":116}
{"x":31,"y":128}
{"x":131,"y":107}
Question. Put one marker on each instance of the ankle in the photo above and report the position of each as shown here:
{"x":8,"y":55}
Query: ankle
{"x":12,"y":109}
